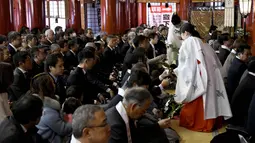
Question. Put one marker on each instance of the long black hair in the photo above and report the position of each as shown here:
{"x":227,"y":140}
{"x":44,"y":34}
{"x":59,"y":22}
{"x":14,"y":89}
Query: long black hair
{"x":191,"y":29}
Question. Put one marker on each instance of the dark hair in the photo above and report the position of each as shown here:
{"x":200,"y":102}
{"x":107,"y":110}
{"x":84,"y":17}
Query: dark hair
{"x":62,"y":43}
{"x":30,"y":37}
{"x":191,"y":29}
{"x":74,"y":91}
{"x":27,"y":108}
{"x":57,"y":28}
{"x":138,"y":29}
{"x":2,"y":39}
{"x":214,"y":35}
{"x":212,"y":28}
{"x":139,"y":77}
{"x":35,"y":31}
{"x":138,"y":66}
{"x":242,"y":47}
{"x":52,"y":60}
{"x":85,"y":54}
{"x":23,"y":30}
{"x":92,"y":49}
{"x":71,"y":43}
{"x":98,"y":46}
{"x":20,"y":57}
{"x":223,"y":37}
{"x":162,"y":28}
{"x":13,"y":35}
{"x":42,"y":85}
{"x":237,"y":43}
{"x":70,"y":105}
{"x":45,"y":29}
{"x":176,"y":19}
{"x":153,"y":35}
{"x":138,"y":40}
{"x":69,"y":31}
{"x":34,"y":51}
{"x":59,"y":35}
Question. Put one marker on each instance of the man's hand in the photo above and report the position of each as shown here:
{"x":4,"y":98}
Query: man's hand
{"x":165,"y":123}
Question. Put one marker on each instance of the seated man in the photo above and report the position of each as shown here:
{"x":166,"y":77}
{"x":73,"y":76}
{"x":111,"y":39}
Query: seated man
{"x":20,"y":126}
{"x":122,"y":117}
{"x":237,"y":69}
{"x":90,"y":125}
{"x":242,"y":97}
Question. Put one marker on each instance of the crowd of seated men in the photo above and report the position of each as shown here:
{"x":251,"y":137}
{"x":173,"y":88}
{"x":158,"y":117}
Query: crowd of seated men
{"x":60,"y":86}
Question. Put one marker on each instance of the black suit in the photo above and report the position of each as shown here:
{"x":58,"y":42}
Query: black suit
{"x":71,"y":61}
{"x":150,"y":52}
{"x":115,"y":100}
{"x":78,"y":78}
{"x":36,"y":69}
{"x":235,"y":73}
{"x":109,"y":60}
{"x":12,"y":132}
{"x":241,"y":100}
{"x":20,"y":85}
{"x":160,"y":47}
{"x":119,"y":131}
{"x":6,"y":76}
{"x":223,"y":55}
{"x":11,"y":50}
{"x":60,"y":88}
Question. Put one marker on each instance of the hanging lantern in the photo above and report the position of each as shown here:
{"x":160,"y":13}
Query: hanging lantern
{"x":245,"y":7}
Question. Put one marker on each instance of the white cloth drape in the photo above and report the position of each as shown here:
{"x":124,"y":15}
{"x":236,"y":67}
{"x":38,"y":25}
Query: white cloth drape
{"x":229,"y":13}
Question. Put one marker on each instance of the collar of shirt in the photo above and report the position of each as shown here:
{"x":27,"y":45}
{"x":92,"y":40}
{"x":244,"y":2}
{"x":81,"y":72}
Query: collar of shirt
{"x":238,"y":57}
{"x":84,"y":71}
{"x":121,"y":92}
{"x":55,"y":78}
{"x":110,"y":47}
{"x":123,"y":113}
{"x":152,"y":45}
{"x":30,"y":46}
{"x":23,"y":128}
{"x":23,"y":71}
{"x":225,"y":47}
{"x":49,"y":40}
{"x":233,"y":51}
{"x":72,"y":52}
{"x":252,"y":73}
{"x":62,"y":54}
{"x":13,"y":47}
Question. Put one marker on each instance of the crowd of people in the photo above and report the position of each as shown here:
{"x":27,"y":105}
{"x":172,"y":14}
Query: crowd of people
{"x":62,"y":86}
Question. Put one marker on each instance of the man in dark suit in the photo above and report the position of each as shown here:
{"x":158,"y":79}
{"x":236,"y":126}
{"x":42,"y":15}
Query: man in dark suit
{"x":54,"y":65}
{"x":14,"y":42}
{"x":79,"y":76}
{"x":21,"y":83}
{"x":109,"y":55}
{"x":71,"y":60}
{"x":122,"y":117}
{"x":242,"y":97}
{"x":226,"y":44}
{"x":237,"y":68}
{"x":38,"y":56}
{"x":27,"y":112}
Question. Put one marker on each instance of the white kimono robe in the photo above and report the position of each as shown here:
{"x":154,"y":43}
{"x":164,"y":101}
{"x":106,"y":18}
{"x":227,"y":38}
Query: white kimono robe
{"x":198,"y":74}
{"x":173,"y":38}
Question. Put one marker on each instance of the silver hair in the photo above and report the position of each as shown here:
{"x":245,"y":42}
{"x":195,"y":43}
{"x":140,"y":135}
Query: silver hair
{"x":82,"y":118}
{"x":131,"y":36}
{"x":147,"y":32}
{"x":90,"y":44}
{"x":54,"y":47}
{"x":47,"y":32}
{"x":137,"y":95}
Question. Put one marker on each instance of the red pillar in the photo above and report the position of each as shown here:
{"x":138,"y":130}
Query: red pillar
{"x":133,"y":14}
{"x":35,"y":13}
{"x":121,"y":17}
{"x":19,"y":14}
{"x":108,"y":16}
{"x":184,"y":4}
{"x":127,"y":13}
{"x":141,"y":11}
{"x":74,"y":15}
{"x":6,"y":24}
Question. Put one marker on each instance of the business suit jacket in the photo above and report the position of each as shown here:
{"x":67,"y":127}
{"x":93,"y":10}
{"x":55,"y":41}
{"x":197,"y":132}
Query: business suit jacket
{"x":71,"y":61}
{"x":223,"y":55}
{"x":160,"y":47}
{"x":20,"y":85}
{"x":241,"y":100}
{"x":11,"y":50}
{"x":235,"y":73}
{"x":12,"y":132}
{"x":36,"y":69}
{"x":150,"y":52}
{"x":60,"y":88}
{"x":6,"y":76}
{"x":78,"y":78}
{"x":109,"y":60}
{"x":118,"y":127}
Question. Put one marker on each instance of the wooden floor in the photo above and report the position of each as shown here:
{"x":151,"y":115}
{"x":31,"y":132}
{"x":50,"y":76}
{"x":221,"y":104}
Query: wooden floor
{"x":189,"y":136}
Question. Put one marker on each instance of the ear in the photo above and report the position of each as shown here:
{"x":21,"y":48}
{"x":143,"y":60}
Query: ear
{"x":133,"y":106}
{"x":86,"y":132}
